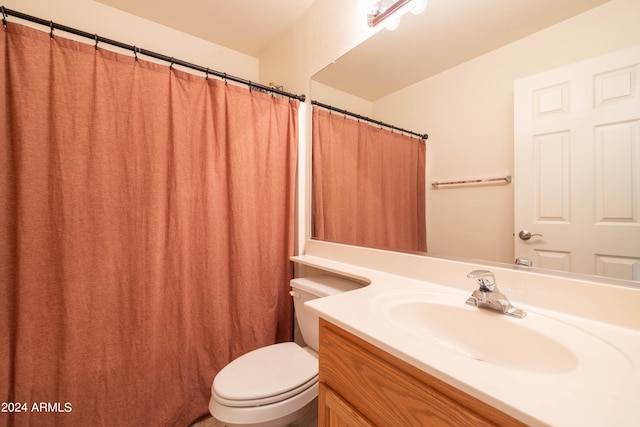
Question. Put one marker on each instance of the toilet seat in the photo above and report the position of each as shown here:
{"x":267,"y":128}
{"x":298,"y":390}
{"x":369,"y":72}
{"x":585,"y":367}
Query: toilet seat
{"x":276,"y":414}
{"x":266,"y":400}
{"x":265,"y":376}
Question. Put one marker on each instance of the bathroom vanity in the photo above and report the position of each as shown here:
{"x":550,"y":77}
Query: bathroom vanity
{"x":357,"y":378}
{"x":405,"y":349}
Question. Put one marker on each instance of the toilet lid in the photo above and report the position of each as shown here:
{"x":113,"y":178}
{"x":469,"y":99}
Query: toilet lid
{"x":269,"y":373}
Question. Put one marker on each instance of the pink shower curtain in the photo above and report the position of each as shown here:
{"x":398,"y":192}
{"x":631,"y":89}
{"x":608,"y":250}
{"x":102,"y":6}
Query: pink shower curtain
{"x":146,"y":222}
{"x":368,"y":184}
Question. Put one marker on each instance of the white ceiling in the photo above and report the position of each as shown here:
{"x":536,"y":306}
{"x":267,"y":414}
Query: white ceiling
{"x":247,"y":26}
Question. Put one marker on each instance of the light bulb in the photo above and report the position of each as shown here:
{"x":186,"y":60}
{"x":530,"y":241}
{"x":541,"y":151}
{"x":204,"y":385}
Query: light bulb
{"x":393,"y":24}
{"x":420,"y":6}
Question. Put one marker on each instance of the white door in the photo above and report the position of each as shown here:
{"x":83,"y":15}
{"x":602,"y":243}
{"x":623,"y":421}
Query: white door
{"x":577,"y":166}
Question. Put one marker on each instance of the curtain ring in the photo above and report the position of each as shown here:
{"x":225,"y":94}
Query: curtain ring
{"x":96,"y":39}
{"x":225,"y":79}
{"x":207,"y":76}
{"x":4,"y":17}
{"x":51,"y":26}
{"x":171,"y":65}
{"x":135,"y":53}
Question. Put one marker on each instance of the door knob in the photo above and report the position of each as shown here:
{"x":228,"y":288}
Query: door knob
{"x":526,"y":235}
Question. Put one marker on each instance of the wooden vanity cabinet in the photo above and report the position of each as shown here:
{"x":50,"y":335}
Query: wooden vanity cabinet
{"x":361,"y":385}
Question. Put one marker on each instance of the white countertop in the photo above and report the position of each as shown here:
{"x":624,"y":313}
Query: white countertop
{"x":595,"y":393}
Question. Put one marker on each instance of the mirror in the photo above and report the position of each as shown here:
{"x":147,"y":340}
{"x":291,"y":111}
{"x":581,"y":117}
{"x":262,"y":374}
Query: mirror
{"x":449,"y":72}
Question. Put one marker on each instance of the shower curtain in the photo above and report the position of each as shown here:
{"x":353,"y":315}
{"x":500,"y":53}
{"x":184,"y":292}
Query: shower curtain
{"x":368,"y":184}
{"x":146,"y":225}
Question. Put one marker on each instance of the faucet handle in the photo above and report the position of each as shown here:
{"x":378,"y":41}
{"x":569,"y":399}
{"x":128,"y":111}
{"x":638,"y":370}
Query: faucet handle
{"x":486,"y":279}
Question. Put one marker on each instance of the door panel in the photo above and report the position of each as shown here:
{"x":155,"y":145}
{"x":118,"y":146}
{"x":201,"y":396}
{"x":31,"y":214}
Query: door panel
{"x":577,"y":166}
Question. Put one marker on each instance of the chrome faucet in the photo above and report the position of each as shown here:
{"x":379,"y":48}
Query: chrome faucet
{"x":488,"y":296}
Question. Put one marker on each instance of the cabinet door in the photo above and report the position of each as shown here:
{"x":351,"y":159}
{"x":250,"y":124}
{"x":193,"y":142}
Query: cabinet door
{"x":362,"y":385}
{"x":335,"y":412}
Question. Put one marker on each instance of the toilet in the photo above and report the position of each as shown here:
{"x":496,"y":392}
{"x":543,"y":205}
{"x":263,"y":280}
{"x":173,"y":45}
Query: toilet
{"x":277,"y":385}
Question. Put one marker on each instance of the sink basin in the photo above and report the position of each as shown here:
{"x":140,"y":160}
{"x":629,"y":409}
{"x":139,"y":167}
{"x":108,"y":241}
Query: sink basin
{"x":536,"y":343}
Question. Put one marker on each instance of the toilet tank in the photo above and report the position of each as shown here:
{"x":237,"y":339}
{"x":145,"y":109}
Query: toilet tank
{"x":307,"y":288}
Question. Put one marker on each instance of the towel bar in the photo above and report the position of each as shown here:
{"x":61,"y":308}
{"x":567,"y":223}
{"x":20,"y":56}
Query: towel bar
{"x":502,"y":179}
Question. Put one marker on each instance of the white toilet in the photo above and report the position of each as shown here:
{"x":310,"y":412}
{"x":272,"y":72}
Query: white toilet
{"x":277,"y":385}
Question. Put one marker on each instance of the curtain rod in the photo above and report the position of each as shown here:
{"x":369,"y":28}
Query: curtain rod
{"x":359,"y":117}
{"x":136,"y":50}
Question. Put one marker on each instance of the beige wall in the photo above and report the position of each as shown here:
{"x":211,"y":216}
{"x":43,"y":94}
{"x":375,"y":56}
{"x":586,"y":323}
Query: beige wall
{"x":337,"y":98}
{"x":95,"y":17}
{"x":329,"y":29}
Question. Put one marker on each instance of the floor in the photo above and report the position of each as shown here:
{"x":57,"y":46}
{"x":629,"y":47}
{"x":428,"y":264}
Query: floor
{"x":208,"y":422}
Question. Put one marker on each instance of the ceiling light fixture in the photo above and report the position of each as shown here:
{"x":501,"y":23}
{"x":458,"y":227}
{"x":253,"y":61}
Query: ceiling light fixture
{"x":383,"y":9}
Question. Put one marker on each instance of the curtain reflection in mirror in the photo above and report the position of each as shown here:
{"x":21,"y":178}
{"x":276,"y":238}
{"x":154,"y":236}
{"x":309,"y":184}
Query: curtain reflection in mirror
{"x":368,"y":184}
